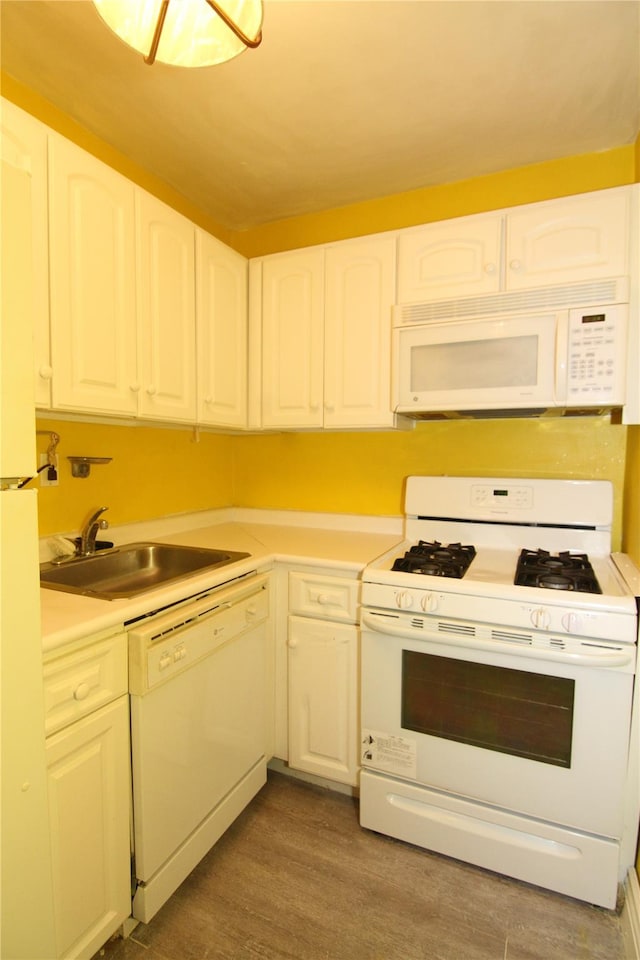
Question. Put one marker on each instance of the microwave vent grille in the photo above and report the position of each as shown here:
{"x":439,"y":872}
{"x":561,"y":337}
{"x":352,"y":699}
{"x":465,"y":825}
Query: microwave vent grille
{"x":520,"y":301}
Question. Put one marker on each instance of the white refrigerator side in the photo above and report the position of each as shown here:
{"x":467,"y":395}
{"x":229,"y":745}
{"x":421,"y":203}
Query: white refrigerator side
{"x":26,"y":897}
{"x":27,"y":929}
{"x":17,"y":401}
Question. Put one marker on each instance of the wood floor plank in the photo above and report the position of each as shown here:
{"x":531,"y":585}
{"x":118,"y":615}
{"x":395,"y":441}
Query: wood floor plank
{"x":297,"y":878}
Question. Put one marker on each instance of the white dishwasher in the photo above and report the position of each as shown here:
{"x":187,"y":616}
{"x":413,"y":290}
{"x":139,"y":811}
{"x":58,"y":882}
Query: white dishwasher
{"x":197,"y":684}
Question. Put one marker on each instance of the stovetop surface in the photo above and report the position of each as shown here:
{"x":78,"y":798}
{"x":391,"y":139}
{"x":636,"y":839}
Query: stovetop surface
{"x":543,"y":569}
{"x":492,"y":572}
{"x":493,"y":520}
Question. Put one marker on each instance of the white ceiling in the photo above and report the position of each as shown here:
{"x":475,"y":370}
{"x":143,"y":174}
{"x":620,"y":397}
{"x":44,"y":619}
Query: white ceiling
{"x":345,"y":100}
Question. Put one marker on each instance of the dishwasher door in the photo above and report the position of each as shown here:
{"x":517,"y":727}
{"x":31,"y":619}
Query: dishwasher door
{"x":198,"y":743}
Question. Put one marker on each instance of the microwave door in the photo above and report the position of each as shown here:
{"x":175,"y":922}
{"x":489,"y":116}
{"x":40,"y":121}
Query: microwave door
{"x":473,"y":365}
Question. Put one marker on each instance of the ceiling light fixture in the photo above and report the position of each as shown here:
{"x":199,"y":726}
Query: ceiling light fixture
{"x":185,"y":33}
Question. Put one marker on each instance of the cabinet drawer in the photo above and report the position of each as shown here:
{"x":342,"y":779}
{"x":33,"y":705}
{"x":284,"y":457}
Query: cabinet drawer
{"x":330,"y":598}
{"x":83,"y":681}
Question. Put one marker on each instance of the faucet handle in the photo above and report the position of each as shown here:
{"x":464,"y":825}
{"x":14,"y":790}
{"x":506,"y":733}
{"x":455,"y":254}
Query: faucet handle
{"x":89,"y":531}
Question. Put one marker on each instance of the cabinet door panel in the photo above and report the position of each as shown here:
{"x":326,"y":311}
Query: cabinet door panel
{"x":456,"y":258}
{"x":565,"y":241}
{"x":88,"y":785}
{"x":81,"y":682}
{"x":319,"y":596}
{"x":92,"y":260}
{"x":221,"y":289}
{"x":292,"y":336}
{"x":323,"y":702}
{"x":359,"y":294}
{"x":166,"y":311}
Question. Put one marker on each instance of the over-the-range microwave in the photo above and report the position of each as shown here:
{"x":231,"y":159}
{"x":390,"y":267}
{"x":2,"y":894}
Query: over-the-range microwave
{"x":511,"y":364}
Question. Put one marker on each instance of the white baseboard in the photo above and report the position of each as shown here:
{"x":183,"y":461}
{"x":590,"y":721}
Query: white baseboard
{"x":631,"y":917}
{"x":280,"y":766}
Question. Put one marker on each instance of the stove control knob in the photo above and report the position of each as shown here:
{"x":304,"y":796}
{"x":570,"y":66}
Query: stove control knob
{"x":572,"y":622}
{"x":428,"y":602}
{"x":404,"y":600}
{"x":540,"y":618}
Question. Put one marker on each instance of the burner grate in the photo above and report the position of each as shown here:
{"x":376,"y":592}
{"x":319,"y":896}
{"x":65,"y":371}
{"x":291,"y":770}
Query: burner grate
{"x":561,"y":571}
{"x":435,"y":559}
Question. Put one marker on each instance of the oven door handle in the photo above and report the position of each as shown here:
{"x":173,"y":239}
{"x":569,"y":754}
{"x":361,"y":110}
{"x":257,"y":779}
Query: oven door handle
{"x":599,"y":655}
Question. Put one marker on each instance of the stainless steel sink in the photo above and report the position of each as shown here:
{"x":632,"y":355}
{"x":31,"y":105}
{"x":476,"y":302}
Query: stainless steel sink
{"x":132,"y":569}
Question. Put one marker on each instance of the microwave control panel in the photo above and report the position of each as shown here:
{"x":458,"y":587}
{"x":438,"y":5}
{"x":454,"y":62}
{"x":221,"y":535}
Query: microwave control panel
{"x":596,"y":355}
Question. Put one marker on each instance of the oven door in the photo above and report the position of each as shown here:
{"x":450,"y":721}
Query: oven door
{"x":539,"y":732}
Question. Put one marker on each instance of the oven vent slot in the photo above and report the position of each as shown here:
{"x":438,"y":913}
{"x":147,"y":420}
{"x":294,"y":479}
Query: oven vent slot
{"x":557,"y":643}
{"x":512,"y":637}
{"x":417,"y":623}
{"x":462,"y":629}
{"x":602,"y":646}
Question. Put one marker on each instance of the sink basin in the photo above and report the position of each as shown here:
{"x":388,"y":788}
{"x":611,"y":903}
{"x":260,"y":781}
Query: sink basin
{"x":132,"y":569}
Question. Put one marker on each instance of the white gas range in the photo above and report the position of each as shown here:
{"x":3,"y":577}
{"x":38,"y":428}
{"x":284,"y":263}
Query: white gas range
{"x":498,"y":663}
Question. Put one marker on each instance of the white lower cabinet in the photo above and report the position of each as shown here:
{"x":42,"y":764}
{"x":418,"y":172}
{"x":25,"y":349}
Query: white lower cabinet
{"x":323,"y":659}
{"x":88,"y":778}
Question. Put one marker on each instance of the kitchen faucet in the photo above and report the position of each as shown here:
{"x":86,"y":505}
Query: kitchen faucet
{"x":89,"y":532}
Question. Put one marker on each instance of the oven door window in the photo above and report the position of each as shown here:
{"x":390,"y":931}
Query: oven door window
{"x":511,"y":711}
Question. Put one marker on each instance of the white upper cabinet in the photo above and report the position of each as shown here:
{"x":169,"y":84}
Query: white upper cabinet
{"x":24,"y":147}
{"x":122,"y":295}
{"x":456,"y":258}
{"x":165,"y":247}
{"x":92,"y":269}
{"x":359,"y":294}
{"x":565,"y":241}
{"x":221,"y":317}
{"x":292,"y":339}
{"x":580,"y":238}
{"x":326,"y":332}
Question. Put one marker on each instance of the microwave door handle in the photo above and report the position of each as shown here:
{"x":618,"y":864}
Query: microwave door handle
{"x":561,"y":358}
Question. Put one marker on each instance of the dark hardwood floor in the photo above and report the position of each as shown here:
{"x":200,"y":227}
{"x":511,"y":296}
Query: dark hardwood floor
{"x":296,"y":878}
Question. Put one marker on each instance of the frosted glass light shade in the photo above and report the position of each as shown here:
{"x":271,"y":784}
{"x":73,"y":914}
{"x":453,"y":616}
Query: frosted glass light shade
{"x":193,"y":35}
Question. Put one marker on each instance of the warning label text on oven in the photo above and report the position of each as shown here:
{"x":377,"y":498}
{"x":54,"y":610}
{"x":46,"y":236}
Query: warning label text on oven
{"x":386,"y":751}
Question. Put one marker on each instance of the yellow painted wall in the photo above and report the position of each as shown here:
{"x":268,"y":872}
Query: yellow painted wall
{"x":36,"y":105}
{"x":154,"y":472}
{"x":365,"y":472}
{"x":540,"y":181}
{"x":158,"y":471}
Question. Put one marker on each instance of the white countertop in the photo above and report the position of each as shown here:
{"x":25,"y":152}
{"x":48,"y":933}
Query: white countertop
{"x":68,"y":617}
